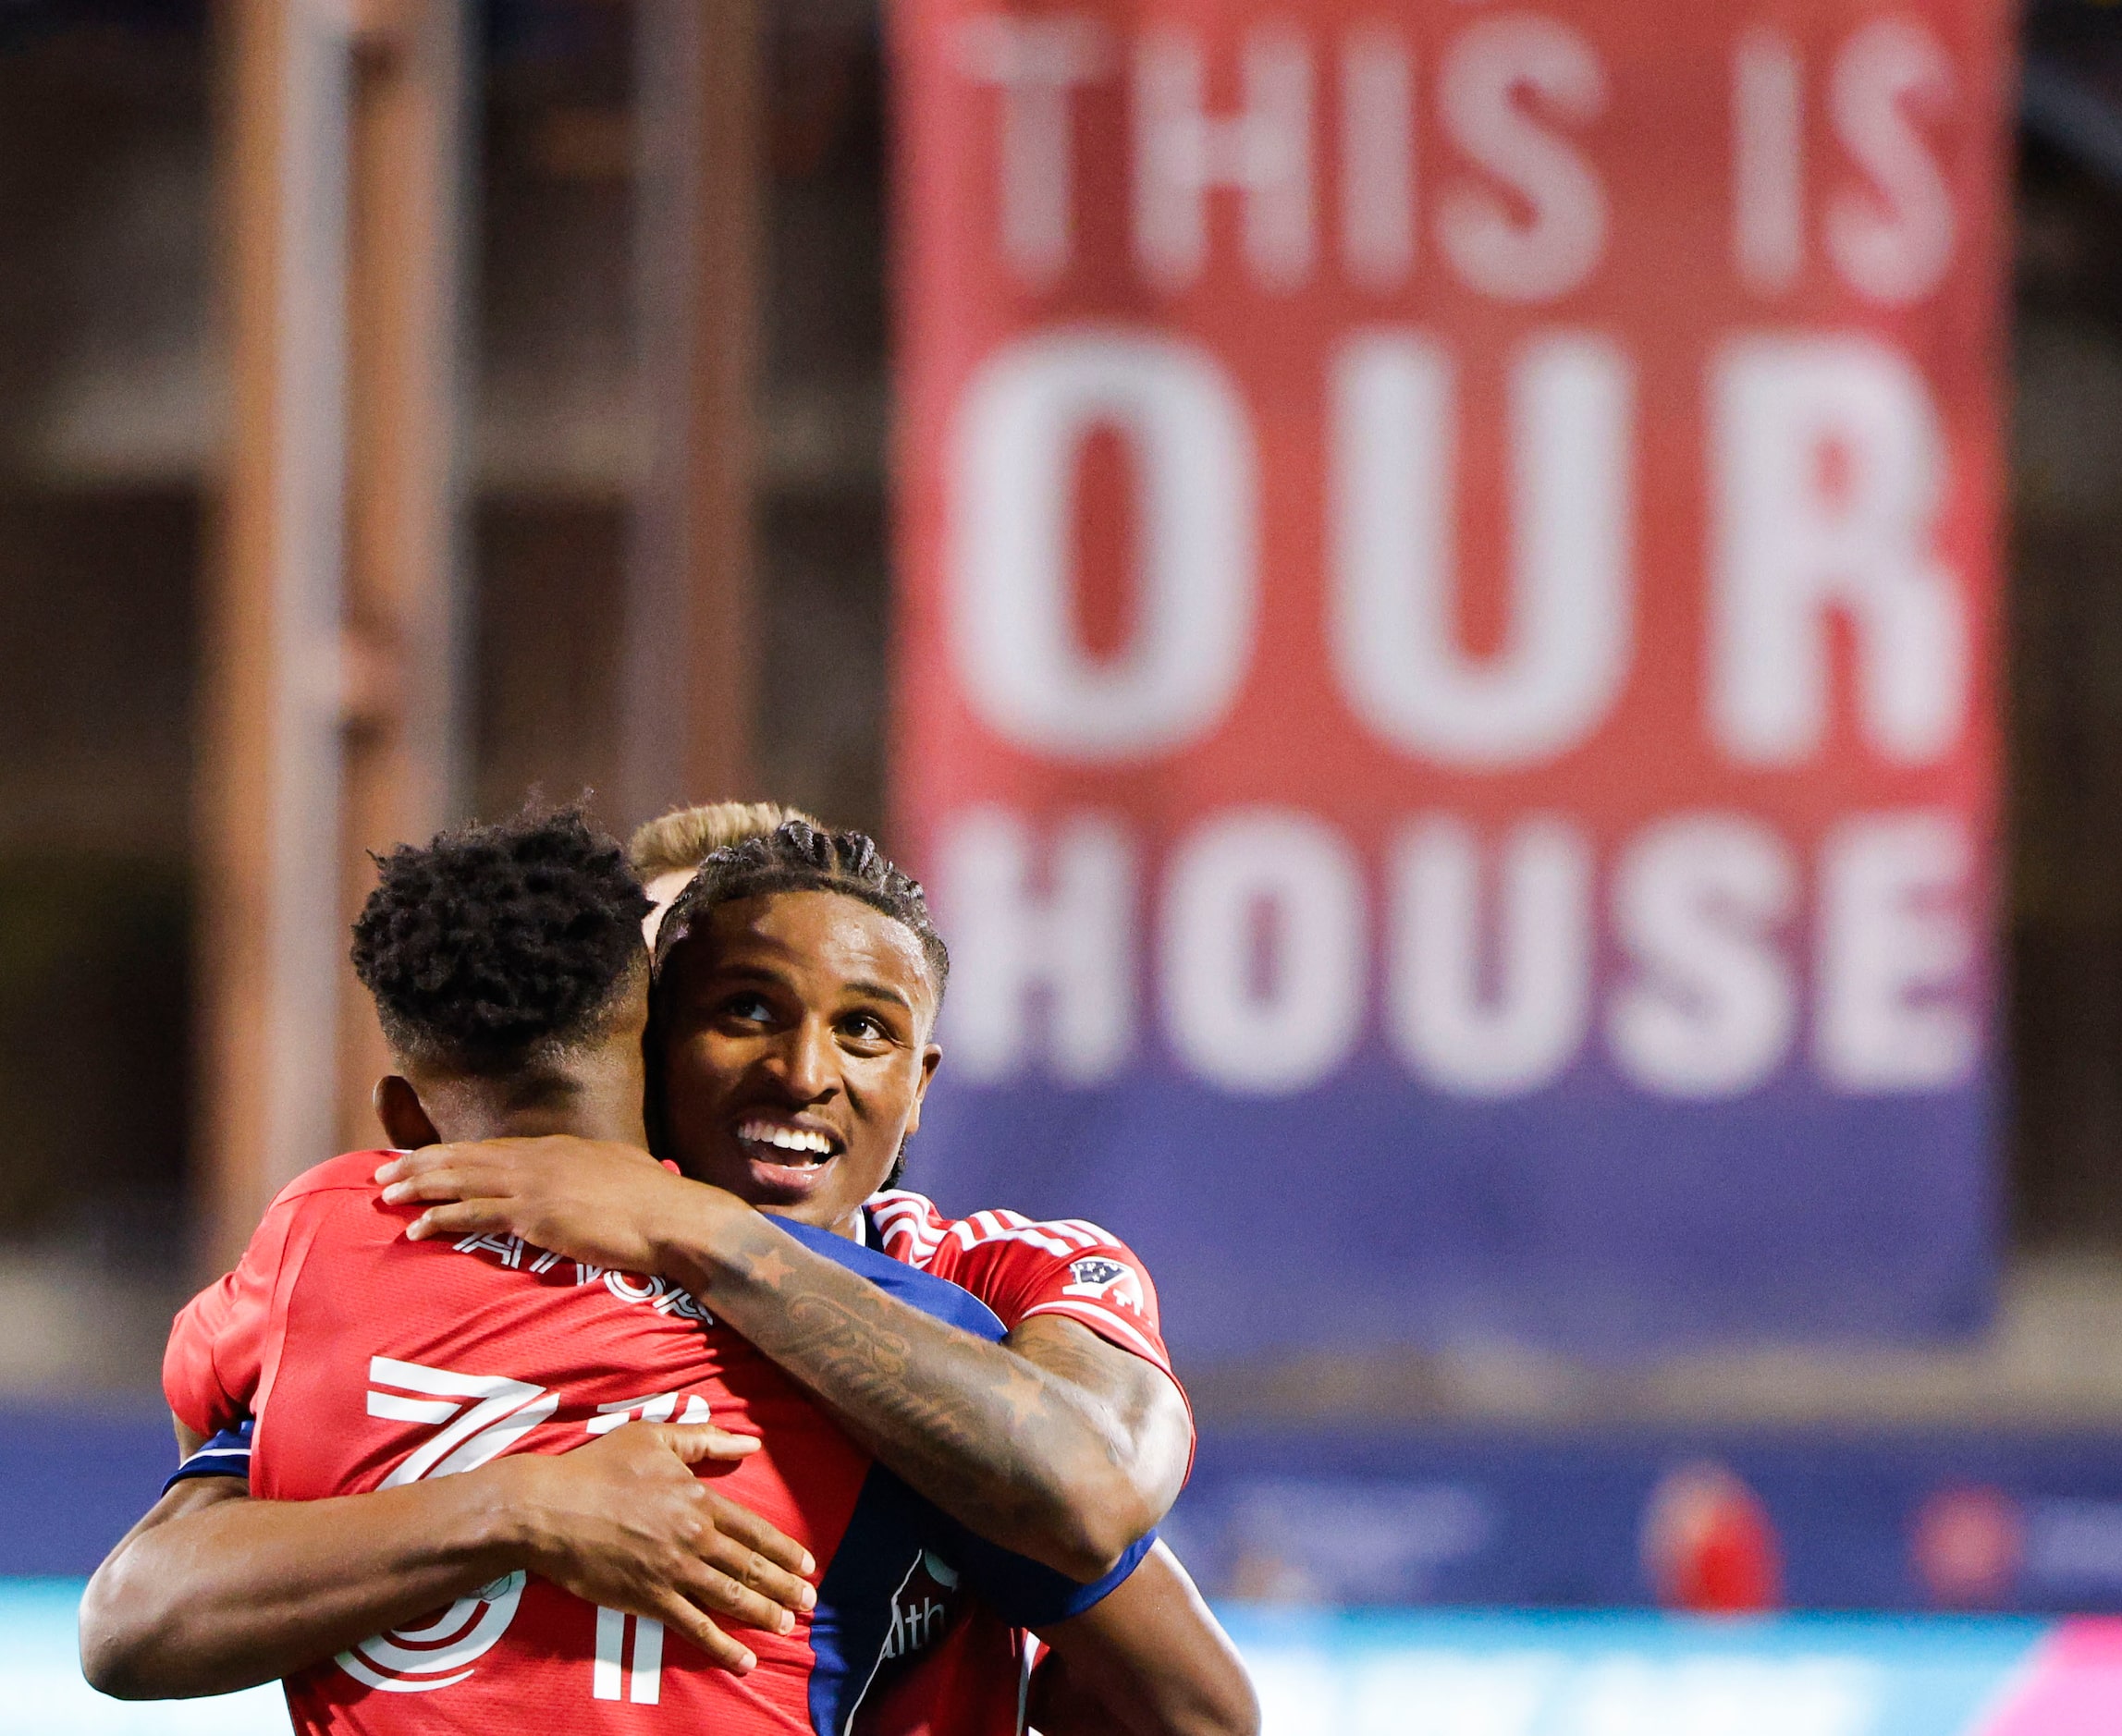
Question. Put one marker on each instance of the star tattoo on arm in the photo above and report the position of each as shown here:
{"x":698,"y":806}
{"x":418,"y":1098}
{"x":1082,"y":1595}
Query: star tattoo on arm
{"x":1022,"y":1393}
{"x":771,"y":1269}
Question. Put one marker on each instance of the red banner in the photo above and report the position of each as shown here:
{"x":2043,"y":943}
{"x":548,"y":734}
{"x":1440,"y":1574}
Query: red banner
{"x":1448,"y":600}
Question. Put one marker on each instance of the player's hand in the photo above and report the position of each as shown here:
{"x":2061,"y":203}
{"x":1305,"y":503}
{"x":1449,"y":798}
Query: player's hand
{"x":624,"y":1523}
{"x":589,"y":1200}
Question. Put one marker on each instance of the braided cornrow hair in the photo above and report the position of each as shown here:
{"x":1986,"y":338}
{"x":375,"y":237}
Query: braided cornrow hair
{"x":799,"y":857}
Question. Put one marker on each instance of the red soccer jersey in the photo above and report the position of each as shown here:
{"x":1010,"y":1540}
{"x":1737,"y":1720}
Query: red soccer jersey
{"x":371,"y":1362}
{"x":953,"y":1667}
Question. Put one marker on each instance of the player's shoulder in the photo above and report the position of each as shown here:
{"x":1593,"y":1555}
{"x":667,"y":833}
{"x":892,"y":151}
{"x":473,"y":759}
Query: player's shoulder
{"x":1020,"y":1266}
{"x":351,"y":1171}
{"x":913,"y":1228}
{"x":332,"y":1207}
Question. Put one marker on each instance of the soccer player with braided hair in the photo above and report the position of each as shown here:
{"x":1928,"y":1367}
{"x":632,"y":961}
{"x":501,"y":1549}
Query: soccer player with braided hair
{"x":956,"y":1660}
{"x":797,"y":854}
{"x":798,"y":979}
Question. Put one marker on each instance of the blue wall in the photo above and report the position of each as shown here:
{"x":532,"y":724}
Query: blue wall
{"x":1389,"y":1517}
{"x":74,"y":1479}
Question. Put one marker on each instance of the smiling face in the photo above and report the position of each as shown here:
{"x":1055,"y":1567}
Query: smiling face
{"x":793,"y":1033}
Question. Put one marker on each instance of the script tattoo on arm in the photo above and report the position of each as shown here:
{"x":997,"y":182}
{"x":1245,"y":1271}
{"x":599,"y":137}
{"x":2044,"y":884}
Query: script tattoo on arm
{"x":1014,"y":1448}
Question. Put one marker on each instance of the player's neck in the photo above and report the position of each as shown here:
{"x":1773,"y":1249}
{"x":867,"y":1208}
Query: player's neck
{"x":619,"y":1130}
{"x":500,"y":1109}
{"x":591,"y":1091}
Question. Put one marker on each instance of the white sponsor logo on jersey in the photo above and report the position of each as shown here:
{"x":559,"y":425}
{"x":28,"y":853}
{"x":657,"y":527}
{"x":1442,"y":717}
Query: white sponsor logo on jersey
{"x":476,"y":1417}
{"x":439,"y":1653}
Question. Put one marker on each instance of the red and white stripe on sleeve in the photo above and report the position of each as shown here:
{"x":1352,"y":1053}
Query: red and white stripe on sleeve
{"x":1022,"y":1267}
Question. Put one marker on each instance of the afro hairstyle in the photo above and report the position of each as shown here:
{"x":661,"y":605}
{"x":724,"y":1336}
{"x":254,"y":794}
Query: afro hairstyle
{"x":496,"y":945}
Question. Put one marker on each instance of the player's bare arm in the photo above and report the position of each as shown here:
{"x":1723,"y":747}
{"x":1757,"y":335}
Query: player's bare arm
{"x":1148,"y":1660}
{"x":213,"y":1591}
{"x":1058,"y":1445}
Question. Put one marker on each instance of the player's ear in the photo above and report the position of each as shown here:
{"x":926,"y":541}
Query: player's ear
{"x":930,"y":1055}
{"x":397,"y":1107}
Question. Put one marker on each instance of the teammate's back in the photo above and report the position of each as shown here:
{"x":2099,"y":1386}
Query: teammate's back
{"x":370,"y":1361}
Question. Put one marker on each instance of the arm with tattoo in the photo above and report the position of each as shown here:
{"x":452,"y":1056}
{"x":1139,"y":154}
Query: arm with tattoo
{"x":1056,"y":1445}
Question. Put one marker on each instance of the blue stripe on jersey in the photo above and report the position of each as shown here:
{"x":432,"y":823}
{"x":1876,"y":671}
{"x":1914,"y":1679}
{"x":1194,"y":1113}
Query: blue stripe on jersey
{"x":877,"y":1554}
{"x":1024,"y":1592}
{"x":891,"y":1526}
{"x":924,"y":1291}
{"x":227,"y":1455}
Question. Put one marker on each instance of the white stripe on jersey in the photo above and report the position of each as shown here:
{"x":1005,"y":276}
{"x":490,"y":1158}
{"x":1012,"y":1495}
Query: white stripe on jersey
{"x":907,"y":1217}
{"x":969,"y":1235}
{"x":914,"y":1220}
{"x":1070,"y":1228}
{"x":910,"y":1227}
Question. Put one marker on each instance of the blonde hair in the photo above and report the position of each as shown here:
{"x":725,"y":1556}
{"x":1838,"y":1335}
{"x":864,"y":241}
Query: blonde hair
{"x":686,"y":837}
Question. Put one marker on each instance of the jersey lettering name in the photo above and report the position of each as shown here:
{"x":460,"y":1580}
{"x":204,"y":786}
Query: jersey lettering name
{"x":659,"y":1294}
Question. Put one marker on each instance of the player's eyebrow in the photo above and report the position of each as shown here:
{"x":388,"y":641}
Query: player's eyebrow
{"x":752,"y":970}
{"x":880,"y":991}
{"x":723,"y":976}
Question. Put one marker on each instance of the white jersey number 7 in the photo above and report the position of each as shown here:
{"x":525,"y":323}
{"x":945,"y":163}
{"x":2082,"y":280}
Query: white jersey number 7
{"x":480,"y":1415}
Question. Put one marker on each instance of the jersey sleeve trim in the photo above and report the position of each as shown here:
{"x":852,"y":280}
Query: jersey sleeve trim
{"x":227,"y":1455}
{"x":1026,"y":1594}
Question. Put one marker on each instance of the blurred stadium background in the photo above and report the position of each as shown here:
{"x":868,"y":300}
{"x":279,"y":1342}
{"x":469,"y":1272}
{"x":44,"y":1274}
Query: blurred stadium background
{"x":1625,"y":1108}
